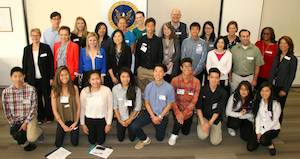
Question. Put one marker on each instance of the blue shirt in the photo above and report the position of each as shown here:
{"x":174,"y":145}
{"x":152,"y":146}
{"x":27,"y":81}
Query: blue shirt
{"x":50,"y":36}
{"x":159,"y":96}
{"x":85,"y":62}
{"x":129,"y":38}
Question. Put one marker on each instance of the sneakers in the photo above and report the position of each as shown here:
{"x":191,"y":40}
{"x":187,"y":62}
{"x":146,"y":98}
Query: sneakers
{"x":172,"y":139}
{"x":30,"y":147}
{"x":231,"y":132}
{"x":141,"y":144}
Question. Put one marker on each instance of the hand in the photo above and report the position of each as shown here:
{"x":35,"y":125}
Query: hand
{"x":51,"y":82}
{"x":258,"y":137}
{"x":107,"y":128}
{"x":85,"y":129}
{"x":156,"y":120}
{"x":180,"y":118}
{"x":23,"y":127}
{"x":243,"y":112}
{"x":74,"y":126}
{"x":115,"y":80}
{"x":282,"y":93}
{"x":123,"y":123}
{"x":66,"y":128}
{"x":170,"y":65}
{"x":254,"y":82}
{"x":128,"y":122}
{"x":205,"y":127}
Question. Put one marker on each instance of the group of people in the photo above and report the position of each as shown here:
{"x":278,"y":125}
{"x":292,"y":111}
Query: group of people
{"x":84,"y":80}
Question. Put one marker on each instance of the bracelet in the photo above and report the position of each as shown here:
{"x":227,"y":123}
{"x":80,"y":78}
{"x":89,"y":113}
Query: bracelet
{"x":160,"y":117}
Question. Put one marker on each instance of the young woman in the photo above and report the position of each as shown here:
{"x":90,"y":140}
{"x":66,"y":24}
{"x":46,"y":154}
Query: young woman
{"x":171,"y":51}
{"x":283,"y":71}
{"x":92,"y":58}
{"x":267,"y":126}
{"x":268,"y":48}
{"x":208,"y":34}
{"x":65,"y":106}
{"x":96,"y":109}
{"x":232,"y":39}
{"x":120,"y":56}
{"x":80,"y":32}
{"x":239,"y":111}
{"x":103,"y":38}
{"x":127,"y":102}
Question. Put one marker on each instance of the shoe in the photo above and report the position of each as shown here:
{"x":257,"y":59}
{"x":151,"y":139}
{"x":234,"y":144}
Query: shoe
{"x":231,"y":132}
{"x":30,"y":147}
{"x":172,"y":139}
{"x":272,"y":151}
{"x":48,"y":121}
{"x":40,"y":122}
{"x":141,"y":144}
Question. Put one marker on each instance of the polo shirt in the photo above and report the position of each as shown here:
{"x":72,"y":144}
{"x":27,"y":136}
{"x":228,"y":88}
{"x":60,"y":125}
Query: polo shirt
{"x":129,"y":38}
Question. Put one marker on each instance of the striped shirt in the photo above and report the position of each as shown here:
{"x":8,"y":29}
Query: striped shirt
{"x":19,"y":105}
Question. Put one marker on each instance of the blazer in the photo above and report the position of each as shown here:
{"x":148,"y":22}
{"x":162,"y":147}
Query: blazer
{"x":72,"y":57}
{"x":124,"y":61}
{"x":45,"y":63}
{"x":85,"y":62}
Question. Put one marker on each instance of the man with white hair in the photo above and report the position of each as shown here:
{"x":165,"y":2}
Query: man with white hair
{"x":181,"y":30}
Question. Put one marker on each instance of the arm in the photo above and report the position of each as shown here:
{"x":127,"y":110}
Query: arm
{"x":276,"y":114}
{"x":75,"y":58}
{"x":189,"y":110}
{"x":103,"y":63}
{"x":255,"y":76}
{"x":160,"y":51}
{"x":209,"y":61}
{"x":81,"y":60}
{"x":55,"y":112}
{"x":176,"y":56}
{"x":229,"y":107}
{"x":201,"y":64}
{"x":24,"y":62}
{"x":292,"y":74}
{"x":82,"y":106}
{"x":51,"y":61}
{"x":33,"y":109}
{"x":78,"y":105}
{"x":183,"y":49}
{"x":227,"y":68}
{"x":6,"y":109}
{"x":109,"y":107}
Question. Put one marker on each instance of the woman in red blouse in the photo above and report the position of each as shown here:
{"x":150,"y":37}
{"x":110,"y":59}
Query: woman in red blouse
{"x":268,"y":48}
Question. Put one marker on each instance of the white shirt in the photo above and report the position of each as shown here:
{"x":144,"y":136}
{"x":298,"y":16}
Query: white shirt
{"x":36,"y":64}
{"x":233,"y":112}
{"x":263,"y":120}
{"x":96,"y":105}
{"x":224,"y":65}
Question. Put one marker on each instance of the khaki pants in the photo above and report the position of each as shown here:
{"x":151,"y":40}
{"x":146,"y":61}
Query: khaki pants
{"x":144,"y":77}
{"x":33,"y":130}
{"x":237,"y":79}
{"x":215,"y":133}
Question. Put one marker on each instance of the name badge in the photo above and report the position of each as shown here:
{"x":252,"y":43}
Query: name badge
{"x":43,"y":55}
{"x":287,"y":58}
{"x":77,"y":39}
{"x":211,"y":45}
{"x":99,"y":56}
{"x":26,"y":101}
{"x":191,"y":93}
{"x":128,"y":103}
{"x":268,"y":52}
{"x":64,"y":99}
{"x":162,"y":97}
{"x":143,"y":34}
{"x":178,"y":33}
{"x":180,"y":91}
{"x":214,"y":106}
{"x":199,"y":49}
{"x":250,"y":58}
{"x":67,"y":106}
{"x":127,"y":41}
{"x":144,"y":48}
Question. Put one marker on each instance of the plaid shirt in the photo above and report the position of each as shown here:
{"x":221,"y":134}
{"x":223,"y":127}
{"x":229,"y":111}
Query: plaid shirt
{"x":19,"y":105}
{"x":187,"y":94}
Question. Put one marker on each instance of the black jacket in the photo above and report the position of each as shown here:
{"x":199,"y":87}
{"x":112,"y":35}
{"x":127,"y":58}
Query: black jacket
{"x":124,"y":61}
{"x":45,"y":62}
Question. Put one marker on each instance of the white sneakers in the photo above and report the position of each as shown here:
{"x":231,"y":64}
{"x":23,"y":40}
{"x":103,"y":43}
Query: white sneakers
{"x":141,"y":144}
{"x":231,"y":132}
{"x":172,"y":139}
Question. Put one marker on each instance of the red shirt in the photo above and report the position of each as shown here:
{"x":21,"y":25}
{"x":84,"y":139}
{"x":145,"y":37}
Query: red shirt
{"x":269,"y":52}
{"x":219,"y":56}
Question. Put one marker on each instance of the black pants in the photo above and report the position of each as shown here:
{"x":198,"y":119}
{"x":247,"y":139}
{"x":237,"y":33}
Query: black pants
{"x":60,"y":135}
{"x":96,"y":130}
{"x":185,"y":127}
{"x":202,"y":77}
{"x":227,"y":88}
{"x":281,"y":100}
{"x":19,"y":136}
{"x":43,"y":94}
{"x":121,"y":130}
{"x":245,"y":126}
{"x":265,"y":139}
{"x":260,"y":81}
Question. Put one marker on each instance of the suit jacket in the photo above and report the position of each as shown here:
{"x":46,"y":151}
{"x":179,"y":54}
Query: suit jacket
{"x":124,"y":61}
{"x":45,"y":63}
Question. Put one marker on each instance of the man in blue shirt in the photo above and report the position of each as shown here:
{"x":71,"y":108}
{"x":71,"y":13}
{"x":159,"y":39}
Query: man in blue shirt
{"x":159,"y":97}
{"x":50,"y":35}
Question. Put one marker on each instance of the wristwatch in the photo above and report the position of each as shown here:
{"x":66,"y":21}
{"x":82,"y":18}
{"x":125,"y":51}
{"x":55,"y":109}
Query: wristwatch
{"x":160,"y":117}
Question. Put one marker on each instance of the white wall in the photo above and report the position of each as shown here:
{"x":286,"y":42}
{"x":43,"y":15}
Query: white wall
{"x":12,"y":43}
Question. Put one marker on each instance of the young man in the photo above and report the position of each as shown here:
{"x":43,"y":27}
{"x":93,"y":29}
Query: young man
{"x":149,"y":51}
{"x":20,"y":108}
{"x":195,"y":48}
{"x":159,"y":97}
{"x":187,"y":89}
{"x":140,"y":29}
{"x":50,"y":35}
{"x":211,"y":103}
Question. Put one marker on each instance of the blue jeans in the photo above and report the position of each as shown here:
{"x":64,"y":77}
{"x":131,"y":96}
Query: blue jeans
{"x":144,"y":119}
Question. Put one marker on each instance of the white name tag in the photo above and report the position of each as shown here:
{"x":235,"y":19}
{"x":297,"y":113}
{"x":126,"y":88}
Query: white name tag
{"x":67,"y":106}
{"x":64,"y":99}
{"x":162,"y":97}
{"x":191,"y":93}
{"x":143,"y":34}
{"x":268,"y":52}
{"x":127,"y":41}
{"x":99,"y":56}
{"x":180,"y":91}
{"x":199,"y":49}
{"x":128,"y":103}
{"x":77,"y":39}
{"x":144,"y":48}
{"x":287,"y":58}
{"x":43,"y":55}
{"x":214,"y":106}
{"x":211,"y":45}
{"x":250,"y":58}
{"x":178,"y":33}
{"x":26,"y":101}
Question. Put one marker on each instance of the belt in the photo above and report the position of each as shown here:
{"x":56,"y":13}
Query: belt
{"x":245,"y":75}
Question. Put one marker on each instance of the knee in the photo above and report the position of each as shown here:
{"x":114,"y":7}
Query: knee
{"x":263,"y":141}
{"x":185,"y":132}
{"x":251,"y":147}
{"x":201,"y":135}
{"x":216,"y":141}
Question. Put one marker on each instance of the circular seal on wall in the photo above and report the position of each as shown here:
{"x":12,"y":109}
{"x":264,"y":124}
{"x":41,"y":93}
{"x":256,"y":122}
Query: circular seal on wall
{"x":122,"y":9}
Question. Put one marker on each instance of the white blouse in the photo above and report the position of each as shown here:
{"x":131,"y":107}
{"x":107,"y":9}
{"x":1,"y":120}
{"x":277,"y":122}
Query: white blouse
{"x":232,"y":112}
{"x":224,"y":65}
{"x":36,"y":64}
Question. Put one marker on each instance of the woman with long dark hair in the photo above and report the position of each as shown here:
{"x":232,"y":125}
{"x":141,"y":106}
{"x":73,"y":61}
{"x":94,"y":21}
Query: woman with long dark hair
{"x":208,"y":34}
{"x":127,"y":102}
